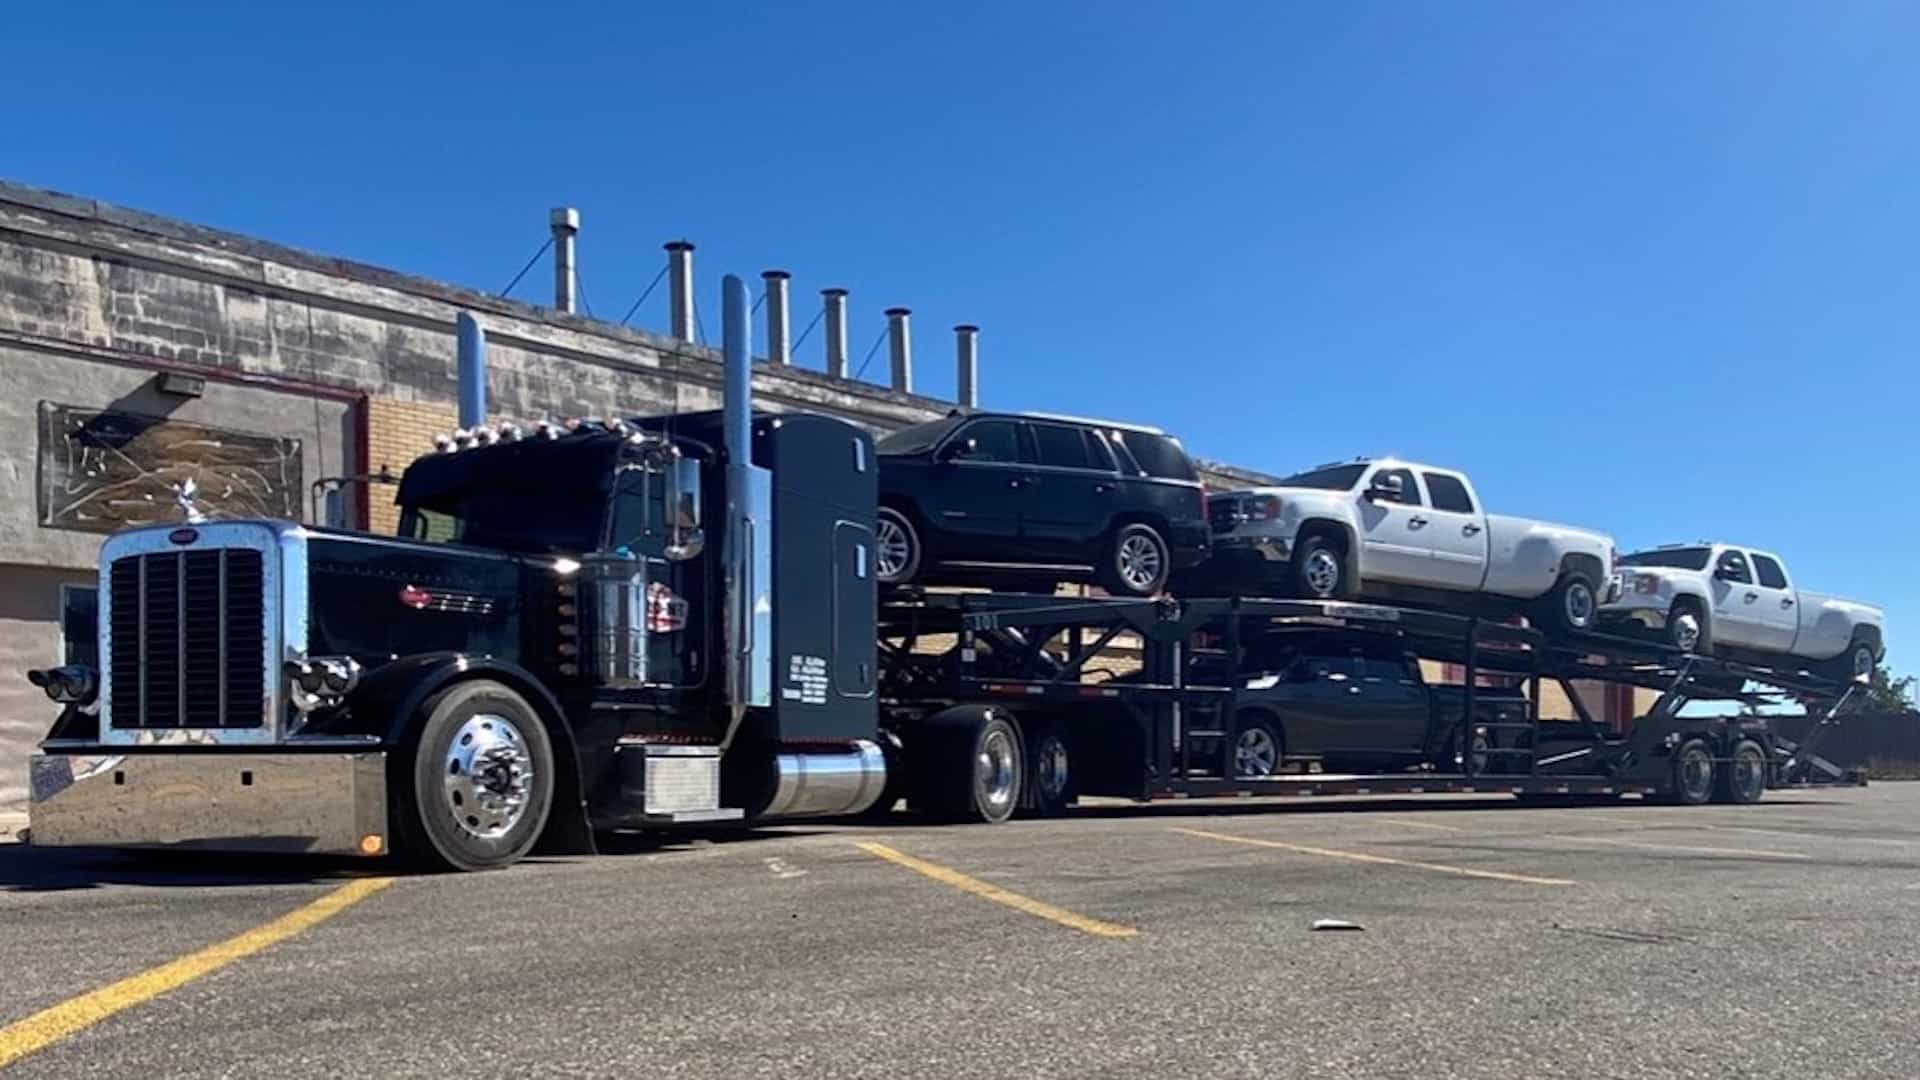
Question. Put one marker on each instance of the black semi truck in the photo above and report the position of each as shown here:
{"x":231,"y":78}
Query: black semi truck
{"x":674,"y":621}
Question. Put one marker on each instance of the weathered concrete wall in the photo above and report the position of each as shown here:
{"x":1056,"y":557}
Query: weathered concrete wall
{"x":29,"y":638}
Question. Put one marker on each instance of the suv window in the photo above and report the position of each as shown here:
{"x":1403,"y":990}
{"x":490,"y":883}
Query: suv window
{"x":1061,"y":446}
{"x":1448,"y":493}
{"x":993,"y":440}
{"x":1731,"y":560}
{"x":1157,"y":455}
{"x":1102,"y":454}
{"x":1383,"y":669}
{"x":1770,"y":573}
{"x":1409,"y":489}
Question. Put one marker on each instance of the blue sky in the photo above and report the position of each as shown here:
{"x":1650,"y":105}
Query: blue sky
{"x":1644,"y":267}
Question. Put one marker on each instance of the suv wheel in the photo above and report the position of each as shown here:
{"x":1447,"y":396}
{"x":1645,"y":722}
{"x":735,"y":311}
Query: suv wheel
{"x":1137,"y":562}
{"x":896,"y":547}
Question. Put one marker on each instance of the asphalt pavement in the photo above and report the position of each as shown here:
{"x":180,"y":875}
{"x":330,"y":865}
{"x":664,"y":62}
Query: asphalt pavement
{"x":1172,"y":940}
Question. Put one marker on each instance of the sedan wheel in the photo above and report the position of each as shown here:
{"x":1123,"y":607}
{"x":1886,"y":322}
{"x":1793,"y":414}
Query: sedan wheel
{"x":1256,"y":752}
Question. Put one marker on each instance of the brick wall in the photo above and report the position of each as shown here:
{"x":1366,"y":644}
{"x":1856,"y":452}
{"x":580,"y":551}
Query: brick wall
{"x":397,"y":432}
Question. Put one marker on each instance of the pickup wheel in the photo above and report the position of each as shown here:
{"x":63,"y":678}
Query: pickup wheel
{"x":1693,"y":781}
{"x":1137,"y":561}
{"x":1572,"y":607}
{"x":1854,"y":665}
{"x":1687,"y":628}
{"x":1743,"y":779}
{"x":1320,"y":570}
{"x":896,"y":545}
{"x":478,"y":779}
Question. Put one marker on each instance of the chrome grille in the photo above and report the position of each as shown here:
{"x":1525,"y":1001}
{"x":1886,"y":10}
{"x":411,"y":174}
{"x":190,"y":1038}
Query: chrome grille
{"x":187,"y":639}
{"x":1223,"y":512}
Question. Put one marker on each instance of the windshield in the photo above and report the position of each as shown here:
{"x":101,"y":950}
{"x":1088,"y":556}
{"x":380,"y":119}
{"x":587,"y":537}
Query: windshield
{"x":530,"y":521}
{"x":1689,"y":558}
{"x":917,"y":439}
{"x":1331,"y":478}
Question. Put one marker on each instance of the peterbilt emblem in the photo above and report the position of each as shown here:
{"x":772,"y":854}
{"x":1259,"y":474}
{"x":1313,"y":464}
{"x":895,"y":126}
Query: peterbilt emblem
{"x":183,"y":536}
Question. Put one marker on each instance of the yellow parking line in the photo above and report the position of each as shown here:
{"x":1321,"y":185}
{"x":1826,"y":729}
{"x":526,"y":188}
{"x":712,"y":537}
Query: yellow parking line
{"x":74,"y":1015}
{"x":1356,"y":856}
{"x":1420,"y":825}
{"x":1014,"y":900}
{"x":1683,"y":849}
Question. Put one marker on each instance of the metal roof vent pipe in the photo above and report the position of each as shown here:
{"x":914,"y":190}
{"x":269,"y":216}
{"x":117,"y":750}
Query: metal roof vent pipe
{"x":833,"y":310}
{"x":565,"y":223}
{"x":966,"y":357}
{"x":900,"y":346}
{"x":470,"y":350}
{"x":680,"y":288}
{"x":779,"y":324}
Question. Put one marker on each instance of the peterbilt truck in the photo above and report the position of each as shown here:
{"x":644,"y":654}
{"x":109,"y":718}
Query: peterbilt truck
{"x":574,"y":631}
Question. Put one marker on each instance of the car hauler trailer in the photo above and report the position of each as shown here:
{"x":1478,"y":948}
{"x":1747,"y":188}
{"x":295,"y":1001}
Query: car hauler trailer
{"x":673,"y":621}
{"x":1162,"y":735}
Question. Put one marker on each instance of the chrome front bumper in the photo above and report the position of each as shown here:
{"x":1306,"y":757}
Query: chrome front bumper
{"x":319,"y":803}
{"x":1269,"y":548}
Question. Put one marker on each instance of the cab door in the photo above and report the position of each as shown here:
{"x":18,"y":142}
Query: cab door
{"x":1393,"y":529}
{"x":1776,"y":618}
{"x":1456,"y":532}
{"x":1736,"y":601}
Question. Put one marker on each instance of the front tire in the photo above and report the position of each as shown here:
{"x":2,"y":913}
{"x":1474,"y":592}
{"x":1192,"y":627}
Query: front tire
{"x":1320,"y":570}
{"x":1137,"y":562}
{"x":1687,"y":628}
{"x":479,"y":781}
{"x":896,"y":547}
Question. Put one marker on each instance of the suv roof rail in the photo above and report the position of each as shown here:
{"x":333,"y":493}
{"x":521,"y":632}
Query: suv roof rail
{"x":1120,"y":425}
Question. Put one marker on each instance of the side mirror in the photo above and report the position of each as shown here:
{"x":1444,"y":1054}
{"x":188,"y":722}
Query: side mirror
{"x":1730,"y":570}
{"x":1386,"y":488}
{"x":957,"y":449}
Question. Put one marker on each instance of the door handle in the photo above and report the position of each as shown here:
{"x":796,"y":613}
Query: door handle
{"x":1752,"y":596}
{"x":1786,"y":602}
{"x":1020,"y":481}
{"x":1353,"y":689}
{"x":1470,"y":530}
{"x":1102,"y":489}
{"x":1416,"y":522}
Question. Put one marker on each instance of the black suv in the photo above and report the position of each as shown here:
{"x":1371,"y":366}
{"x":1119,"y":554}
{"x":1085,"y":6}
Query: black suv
{"x":992,"y":498}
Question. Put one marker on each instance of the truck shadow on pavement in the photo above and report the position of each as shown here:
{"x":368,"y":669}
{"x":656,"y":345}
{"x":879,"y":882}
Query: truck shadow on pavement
{"x":24,"y":868}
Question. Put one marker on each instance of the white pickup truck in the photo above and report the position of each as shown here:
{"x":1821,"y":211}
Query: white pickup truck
{"x":1404,"y":531}
{"x":1739,"y":602}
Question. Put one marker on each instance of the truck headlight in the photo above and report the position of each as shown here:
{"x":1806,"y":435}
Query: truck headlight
{"x":321,"y":681}
{"x":1261,"y":508}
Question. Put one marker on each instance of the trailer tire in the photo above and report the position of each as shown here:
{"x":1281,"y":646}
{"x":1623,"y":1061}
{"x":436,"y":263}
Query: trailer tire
{"x":475,"y":779}
{"x":1743,"y":778}
{"x":1050,"y":772}
{"x":1694,"y":775}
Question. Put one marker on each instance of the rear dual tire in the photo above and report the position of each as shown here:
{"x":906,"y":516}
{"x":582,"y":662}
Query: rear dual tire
{"x":968,"y":768}
{"x":1698,"y":779}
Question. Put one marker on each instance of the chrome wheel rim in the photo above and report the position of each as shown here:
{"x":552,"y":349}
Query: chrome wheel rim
{"x":1579,"y":605}
{"x":1863,"y":663}
{"x":1050,"y":768}
{"x":1686,"y":631}
{"x":1140,"y":562}
{"x":893,"y":550}
{"x":488,"y":777}
{"x":1749,"y":773}
{"x":1255,"y":753}
{"x":994,"y":769}
{"x":1696,"y":772}
{"x":1322,"y":572}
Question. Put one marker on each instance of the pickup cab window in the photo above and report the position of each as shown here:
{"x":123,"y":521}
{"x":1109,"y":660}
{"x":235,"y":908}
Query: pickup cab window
{"x":1733,"y":567}
{"x":1332,"y":478}
{"x":1409,"y":488}
{"x":1770,"y":573}
{"x":1448,"y":493}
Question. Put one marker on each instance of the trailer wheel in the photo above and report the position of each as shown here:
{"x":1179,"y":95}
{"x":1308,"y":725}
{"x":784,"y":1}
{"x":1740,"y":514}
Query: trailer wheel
{"x":1693,"y":773}
{"x":478,"y":779}
{"x":1050,"y":775}
{"x":1744,"y":778}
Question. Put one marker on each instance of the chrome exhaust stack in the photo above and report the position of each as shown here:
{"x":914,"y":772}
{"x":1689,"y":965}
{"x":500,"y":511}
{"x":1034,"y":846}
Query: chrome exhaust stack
{"x":747,"y":539}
